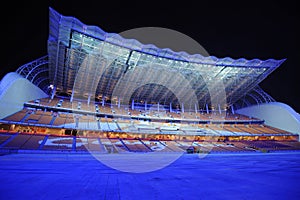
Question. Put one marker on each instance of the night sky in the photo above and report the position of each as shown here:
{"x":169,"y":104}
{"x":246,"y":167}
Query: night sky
{"x":254,"y":29}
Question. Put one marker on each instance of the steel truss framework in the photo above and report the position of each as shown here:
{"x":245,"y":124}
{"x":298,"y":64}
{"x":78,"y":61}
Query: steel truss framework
{"x":36,"y":72}
{"x":87,"y":62}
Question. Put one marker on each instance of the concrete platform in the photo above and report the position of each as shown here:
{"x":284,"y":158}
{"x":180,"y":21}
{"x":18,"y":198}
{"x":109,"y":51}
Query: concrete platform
{"x":214,"y":176}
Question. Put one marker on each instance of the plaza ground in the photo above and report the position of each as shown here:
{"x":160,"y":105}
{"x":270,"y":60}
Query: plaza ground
{"x":215,"y":176}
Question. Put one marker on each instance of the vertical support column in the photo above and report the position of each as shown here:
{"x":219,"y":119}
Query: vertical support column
{"x":158,"y":107}
{"x":170,"y":107}
{"x":182,"y":107}
{"x":207,"y":111}
{"x":132,"y":104}
{"x":54,"y":91}
{"x":102,"y":101}
{"x":119,"y":102}
{"x":145,"y":105}
{"x":196,"y":108}
{"x":220,"y":111}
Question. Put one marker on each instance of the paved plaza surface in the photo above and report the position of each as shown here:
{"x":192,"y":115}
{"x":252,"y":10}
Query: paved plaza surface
{"x":213,"y":176}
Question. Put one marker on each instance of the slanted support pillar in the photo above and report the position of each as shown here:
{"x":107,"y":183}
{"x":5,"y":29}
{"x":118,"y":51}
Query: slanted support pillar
{"x":232,"y":109}
{"x":89,"y":100}
{"x":72,"y":96}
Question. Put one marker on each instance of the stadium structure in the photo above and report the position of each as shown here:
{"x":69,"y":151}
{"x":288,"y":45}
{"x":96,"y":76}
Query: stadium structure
{"x":97,"y":91}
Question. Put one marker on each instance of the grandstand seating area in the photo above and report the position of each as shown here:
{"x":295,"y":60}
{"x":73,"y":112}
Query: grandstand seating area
{"x":59,"y":112}
{"x":60,"y":125}
{"x":60,"y":105}
{"x":28,"y":142}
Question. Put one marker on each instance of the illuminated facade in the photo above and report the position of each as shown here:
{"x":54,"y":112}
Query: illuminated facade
{"x":85,"y":61}
{"x":94,"y":75}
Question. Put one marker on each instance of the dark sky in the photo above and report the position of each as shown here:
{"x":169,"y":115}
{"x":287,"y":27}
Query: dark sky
{"x":254,"y":29}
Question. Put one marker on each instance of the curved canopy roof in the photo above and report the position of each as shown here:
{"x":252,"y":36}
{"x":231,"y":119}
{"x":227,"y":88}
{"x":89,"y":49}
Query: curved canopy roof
{"x":87,"y":62}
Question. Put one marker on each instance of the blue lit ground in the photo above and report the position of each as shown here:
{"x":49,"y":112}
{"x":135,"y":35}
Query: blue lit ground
{"x":216,"y":176}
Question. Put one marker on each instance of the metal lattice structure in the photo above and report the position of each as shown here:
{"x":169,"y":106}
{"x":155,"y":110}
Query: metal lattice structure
{"x":254,"y":97}
{"x":87,"y":62}
{"x":36,"y":72}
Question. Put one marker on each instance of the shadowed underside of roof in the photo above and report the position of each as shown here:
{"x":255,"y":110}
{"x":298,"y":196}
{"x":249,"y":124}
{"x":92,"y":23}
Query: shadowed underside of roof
{"x":87,"y":62}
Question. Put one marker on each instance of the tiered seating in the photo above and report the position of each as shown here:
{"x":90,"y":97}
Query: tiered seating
{"x":109,"y":146}
{"x":45,"y":118}
{"x":200,"y":147}
{"x":268,"y":145}
{"x":83,"y":122}
{"x":220,"y":147}
{"x":105,"y":109}
{"x":82,"y":104}
{"x":91,"y":134}
{"x":92,"y":144}
{"x":184,"y":144}
{"x":124,"y":124}
{"x":249,"y":129}
{"x":17,"y":142}
{"x":161,"y":146}
{"x":234,"y":128}
{"x":289,"y":145}
{"x":240,"y":146}
{"x":205,"y":129}
{"x":203,"y":116}
{"x":58,"y":143}
{"x":60,"y":119}
{"x":119,"y":145}
{"x":268,"y":129}
{"x":216,"y":116}
{"x":171,"y":134}
{"x":174,"y":115}
{"x":69,"y":118}
{"x":53,"y":102}
{"x":136,"y":146}
{"x":34,"y":142}
{"x":120,"y":111}
{"x":189,"y":115}
{"x":104,"y":125}
{"x":18,"y":116}
{"x":34,"y":116}
{"x":82,"y":144}
{"x":3,"y":138}
{"x":172,"y":146}
{"x":224,"y":147}
{"x":154,"y":145}
{"x":21,"y":141}
{"x":86,"y":121}
{"x":25,"y":141}
{"x":219,"y":129}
